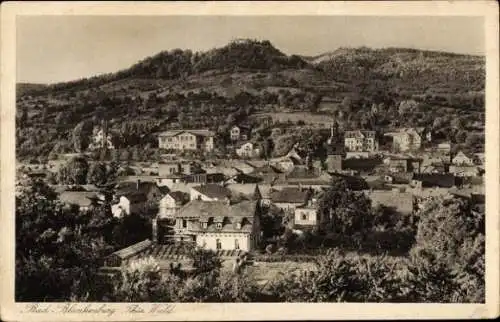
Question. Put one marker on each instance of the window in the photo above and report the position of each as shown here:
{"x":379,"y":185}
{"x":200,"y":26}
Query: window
{"x":238,"y":225}
{"x":236,"y":244}
{"x":184,"y":223}
{"x":304,"y":216}
{"x":218,"y":244}
{"x":204,"y":225}
{"x":219,"y":225}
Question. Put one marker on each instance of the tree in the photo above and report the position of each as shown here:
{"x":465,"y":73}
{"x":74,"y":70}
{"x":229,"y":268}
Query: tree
{"x":268,"y":148}
{"x":450,"y":235}
{"x":23,"y":118}
{"x":56,"y":255}
{"x":97,"y":174}
{"x":81,"y":135}
{"x":312,"y":101}
{"x":74,"y":171}
{"x":344,"y":211}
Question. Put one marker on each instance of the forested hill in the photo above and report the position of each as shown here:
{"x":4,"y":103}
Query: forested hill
{"x":179,"y":88}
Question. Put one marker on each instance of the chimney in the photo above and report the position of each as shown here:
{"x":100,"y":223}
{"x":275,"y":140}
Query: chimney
{"x":138,"y":184}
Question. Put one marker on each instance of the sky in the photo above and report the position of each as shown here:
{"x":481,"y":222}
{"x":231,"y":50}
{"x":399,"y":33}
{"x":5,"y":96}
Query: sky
{"x":61,"y":48}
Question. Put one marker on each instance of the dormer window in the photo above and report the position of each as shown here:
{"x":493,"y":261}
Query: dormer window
{"x":238,"y":225}
{"x":204,"y":225}
{"x":218,"y":225}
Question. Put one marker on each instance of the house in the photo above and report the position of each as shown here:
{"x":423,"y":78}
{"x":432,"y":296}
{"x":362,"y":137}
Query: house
{"x":219,"y":226}
{"x":335,"y":155}
{"x":360,"y":141}
{"x":205,"y":178}
{"x":120,"y":257}
{"x":427,"y":180}
{"x":463,"y":159}
{"x":464,"y":170}
{"x":365,"y":165}
{"x":402,"y":164}
{"x":170,"y":179}
{"x":433,"y":168}
{"x":190,"y":140}
{"x":150,"y":189}
{"x":210,"y":192}
{"x":85,"y":200}
{"x":406,"y":139}
{"x":244,"y":179}
{"x":248,"y":150}
{"x":129,"y":203}
{"x":425,"y":133}
{"x":100,"y":138}
{"x":234,"y":133}
{"x":241,"y":132}
{"x":173,"y":167}
{"x":444,"y":147}
{"x":289,"y":198}
{"x":132,"y":197}
{"x":307,"y":215}
{"x":171,"y":203}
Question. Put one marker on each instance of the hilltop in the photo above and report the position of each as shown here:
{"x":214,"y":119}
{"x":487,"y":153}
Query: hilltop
{"x":233,"y":83}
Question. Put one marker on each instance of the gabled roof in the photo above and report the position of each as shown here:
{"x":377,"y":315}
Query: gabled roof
{"x":466,"y":154}
{"x":290,"y":195}
{"x":179,"y":196}
{"x":137,"y":197}
{"x":267,"y":169}
{"x":212,"y":190}
{"x":130,"y":188}
{"x":164,"y":190}
{"x":194,"y":132}
{"x":133,"y":249}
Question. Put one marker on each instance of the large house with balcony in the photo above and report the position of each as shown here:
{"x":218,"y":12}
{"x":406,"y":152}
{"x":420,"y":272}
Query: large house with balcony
{"x":187,"y":140}
{"x":217,"y":225}
{"x":360,"y":141}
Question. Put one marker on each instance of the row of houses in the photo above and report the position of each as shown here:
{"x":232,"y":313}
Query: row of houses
{"x":404,"y":139}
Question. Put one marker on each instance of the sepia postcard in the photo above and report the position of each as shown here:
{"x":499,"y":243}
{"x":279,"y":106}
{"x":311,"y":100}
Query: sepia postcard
{"x":213,"y":161}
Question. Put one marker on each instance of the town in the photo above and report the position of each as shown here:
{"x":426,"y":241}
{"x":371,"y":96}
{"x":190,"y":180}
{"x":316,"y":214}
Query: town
{"x":257,"y":184}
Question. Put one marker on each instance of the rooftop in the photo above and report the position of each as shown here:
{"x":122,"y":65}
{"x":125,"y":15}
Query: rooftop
{"x":194,"y":132}
{"x":212,"y":190}
{"x":290,"y":195}
{"x":221,"y":212}
{"x":80,"y":198}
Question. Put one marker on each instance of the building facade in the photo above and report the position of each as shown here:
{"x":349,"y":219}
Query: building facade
{"x":219,"y":226}
{"x":248,"y":150}
{"x":407,"y":139}
{"x":360,"y":141}
{"x":187,"y":140}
